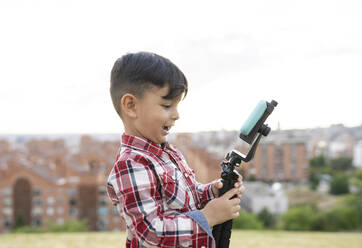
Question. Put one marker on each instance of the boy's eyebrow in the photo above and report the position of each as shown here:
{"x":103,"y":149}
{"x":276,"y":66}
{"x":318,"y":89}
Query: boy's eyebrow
{"x":171,"y":101}
{"x":167,"y":100}
{"x":175,"y":98}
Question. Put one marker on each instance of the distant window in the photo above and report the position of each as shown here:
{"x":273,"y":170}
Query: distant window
{"x":74,"y":180}
{"x":7,"y":223}
{"x":103,"y":202}
{"x":72,"y":191}
{"x":50,"y":201}
{"x":102,"y":190}
{"x":8,"y":201}
{"x":7,"y":211}
{"x":50,"y":211}
{"x":102,"y":224}
{"x":72,"y":202}
{"x":60,"y":200}
{"x":37,"y":211}
{"x":60,"y":210}
{"x":73,"y":212}
{"x":37,"y":221}
{"x":102,"y":211}
{"x":6,"y":191}
{"x":115,"y":211}
{"x":37,"y":192}
{"x":37,"y":202}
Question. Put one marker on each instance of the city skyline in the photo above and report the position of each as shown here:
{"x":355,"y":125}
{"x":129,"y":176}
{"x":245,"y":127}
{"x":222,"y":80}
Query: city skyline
{"x":57,"y":56}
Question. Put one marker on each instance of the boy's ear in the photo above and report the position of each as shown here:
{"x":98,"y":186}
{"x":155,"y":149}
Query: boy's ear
{"x":128,"y":104}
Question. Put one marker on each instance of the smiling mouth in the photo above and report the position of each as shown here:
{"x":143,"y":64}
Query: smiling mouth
{"x":166,"y":128}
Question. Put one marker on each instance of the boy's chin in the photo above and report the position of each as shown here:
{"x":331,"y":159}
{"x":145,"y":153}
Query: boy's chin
{"x":162,"y":141}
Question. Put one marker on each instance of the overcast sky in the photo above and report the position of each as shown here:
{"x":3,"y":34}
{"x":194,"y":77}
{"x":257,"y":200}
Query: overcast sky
{"x":56,"y":58}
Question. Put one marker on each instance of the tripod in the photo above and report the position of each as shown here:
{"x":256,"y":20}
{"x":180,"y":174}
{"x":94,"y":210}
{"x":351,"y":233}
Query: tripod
{"x":251,"y":132}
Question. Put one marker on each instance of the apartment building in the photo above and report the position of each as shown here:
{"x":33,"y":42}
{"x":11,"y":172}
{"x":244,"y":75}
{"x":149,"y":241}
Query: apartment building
{"x":284,"y":161}
{"x":49,"y":184}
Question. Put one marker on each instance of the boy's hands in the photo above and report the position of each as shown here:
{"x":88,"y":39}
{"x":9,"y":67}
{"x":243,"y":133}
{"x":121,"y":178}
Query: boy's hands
{"x":216,"y":185}
{"x":223,"y":208}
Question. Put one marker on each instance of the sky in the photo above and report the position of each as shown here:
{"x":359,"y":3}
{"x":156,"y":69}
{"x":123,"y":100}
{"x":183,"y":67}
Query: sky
{"x":56,"y":57}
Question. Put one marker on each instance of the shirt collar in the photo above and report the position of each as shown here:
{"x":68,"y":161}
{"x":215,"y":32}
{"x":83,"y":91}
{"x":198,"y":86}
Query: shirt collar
{"x":144,"y":144}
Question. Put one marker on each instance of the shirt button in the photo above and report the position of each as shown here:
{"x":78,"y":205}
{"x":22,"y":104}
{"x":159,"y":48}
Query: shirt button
{"x":185,"y":174}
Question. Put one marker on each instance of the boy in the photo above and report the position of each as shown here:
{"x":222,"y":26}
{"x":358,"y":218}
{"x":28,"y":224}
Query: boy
{"x":153,"y":187}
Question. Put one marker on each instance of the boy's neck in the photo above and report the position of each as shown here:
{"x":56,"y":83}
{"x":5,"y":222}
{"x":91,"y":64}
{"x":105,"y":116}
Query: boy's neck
{"x":130,"y":132}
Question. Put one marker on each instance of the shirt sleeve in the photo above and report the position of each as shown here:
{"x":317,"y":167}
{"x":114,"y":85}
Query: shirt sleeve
{"x":136,"y":188}
{"x":204,"y":193}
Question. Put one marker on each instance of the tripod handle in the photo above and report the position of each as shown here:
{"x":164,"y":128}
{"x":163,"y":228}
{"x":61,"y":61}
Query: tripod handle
{"x":222,"y":232}
{"x":227,"y":185}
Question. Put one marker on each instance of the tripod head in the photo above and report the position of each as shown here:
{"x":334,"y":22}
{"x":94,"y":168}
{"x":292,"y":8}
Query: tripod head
{"x":251,"y":132}
{"x":255,"y":123}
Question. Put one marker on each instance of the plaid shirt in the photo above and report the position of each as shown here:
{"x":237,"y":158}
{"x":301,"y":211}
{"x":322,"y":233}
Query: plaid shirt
{"x":156,"y":193}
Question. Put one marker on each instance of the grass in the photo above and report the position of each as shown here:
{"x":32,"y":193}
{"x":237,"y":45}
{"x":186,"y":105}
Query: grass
{"x":239,"y":238}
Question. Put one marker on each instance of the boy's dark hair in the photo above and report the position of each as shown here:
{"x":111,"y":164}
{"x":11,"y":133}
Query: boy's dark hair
{"x":136,"y":72}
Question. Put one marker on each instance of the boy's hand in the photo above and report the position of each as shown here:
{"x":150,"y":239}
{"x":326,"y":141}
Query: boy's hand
{"x":223,"y":208}
{"x":216,"y":185}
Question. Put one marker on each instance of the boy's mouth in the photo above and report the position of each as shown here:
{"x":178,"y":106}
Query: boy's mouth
{"x":166,"y":128}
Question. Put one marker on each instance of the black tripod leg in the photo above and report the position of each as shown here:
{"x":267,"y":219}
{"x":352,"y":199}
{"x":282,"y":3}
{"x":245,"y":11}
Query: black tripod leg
{"x":216,"y":232}
{"x":222,"y":232}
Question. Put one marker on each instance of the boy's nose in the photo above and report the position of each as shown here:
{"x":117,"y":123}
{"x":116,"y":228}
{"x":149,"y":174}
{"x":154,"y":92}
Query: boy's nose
{"x":175,"y":115}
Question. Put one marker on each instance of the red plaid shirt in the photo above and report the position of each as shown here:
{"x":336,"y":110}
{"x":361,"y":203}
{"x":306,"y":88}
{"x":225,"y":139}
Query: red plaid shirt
{"x":157,"y":195}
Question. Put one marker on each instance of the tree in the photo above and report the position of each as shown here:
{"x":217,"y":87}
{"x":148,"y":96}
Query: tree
{"x":247,"y":221}
{"x":358,"y":180}
{"x":314,"y":180}
{"x":317,"y":166}
{"x":299,"y":218}
{"x":341,"y":164}
{"x":267,"y":218}
{"x":339,"y":184}
{"x":318,"y":162}
{"x":19,"y":220}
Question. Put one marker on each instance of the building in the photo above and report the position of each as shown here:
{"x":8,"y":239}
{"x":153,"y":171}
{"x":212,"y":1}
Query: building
{"x":279,"y":161}
{"x":40,"y":186}
{"x":37,"y":199}
{"x":260,"y":195}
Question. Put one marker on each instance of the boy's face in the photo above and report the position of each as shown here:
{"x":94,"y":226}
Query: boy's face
{"x":155,"y":115}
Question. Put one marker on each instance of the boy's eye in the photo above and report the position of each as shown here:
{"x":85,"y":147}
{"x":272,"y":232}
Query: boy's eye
{"x":166,"y":106}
